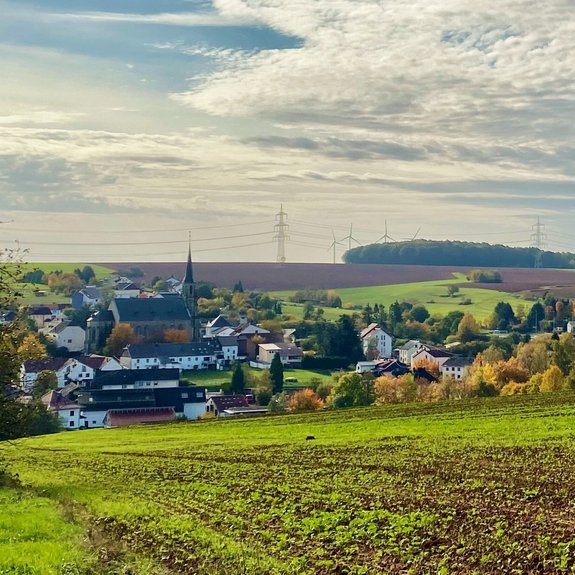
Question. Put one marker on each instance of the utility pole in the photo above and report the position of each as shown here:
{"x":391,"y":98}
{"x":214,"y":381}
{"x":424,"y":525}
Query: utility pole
{"x":280,"y":234}
{"x":537,"y":237}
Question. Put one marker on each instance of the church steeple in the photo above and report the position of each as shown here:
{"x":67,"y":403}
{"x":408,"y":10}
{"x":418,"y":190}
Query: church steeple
{"x":189,"y":295}
{"x":189,"y":277}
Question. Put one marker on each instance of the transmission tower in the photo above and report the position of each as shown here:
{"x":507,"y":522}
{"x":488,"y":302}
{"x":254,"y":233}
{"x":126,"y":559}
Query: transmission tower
{"x":538,"y":238}
{"x":280,"y":234}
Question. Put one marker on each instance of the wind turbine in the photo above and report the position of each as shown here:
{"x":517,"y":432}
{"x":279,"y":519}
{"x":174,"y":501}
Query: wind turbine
{"x":333,"y":245}
{"x":385,"y":236}
{"x":350,"y":237}
{"x":412,"y":238}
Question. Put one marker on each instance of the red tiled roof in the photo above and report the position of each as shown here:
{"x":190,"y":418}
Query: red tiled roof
{"x":46,"y":364}
{"x":223,"y":402}
{"x":139,"y":416}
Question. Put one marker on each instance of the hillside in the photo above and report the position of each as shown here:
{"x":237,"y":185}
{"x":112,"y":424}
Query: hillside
{"x":431,"y":252}
{"x":475,"y":486}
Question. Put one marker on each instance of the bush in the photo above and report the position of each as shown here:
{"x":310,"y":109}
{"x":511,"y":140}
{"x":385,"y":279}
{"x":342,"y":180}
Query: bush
{"x":305,"y":400}
{"x":484,"y":276}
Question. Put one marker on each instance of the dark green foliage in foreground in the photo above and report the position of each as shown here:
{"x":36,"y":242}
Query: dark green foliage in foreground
{"x":453,"y":253}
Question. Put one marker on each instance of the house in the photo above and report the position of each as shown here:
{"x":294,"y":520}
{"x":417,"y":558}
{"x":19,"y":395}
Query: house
{"x":382,"y":367}
{"x":422,"y":375}
{"x":290,"y":354}
{"x":67,"y":410}
{"x":376,"y":342}
{"x":126,"y":289}
{"x":32,"y":367}
{"x":456,"y":367}
{"x":139,"y":390}
{"x":7,"y":317}
{"x":88,"y":296}
{"x":195,"y":355}
{"x":229,"y":349}
{"x":84,"y":368}
{"x":98,"y":328}
{"x":366,"y":366}
{"x":571,"y":327}
{"x":431,"y":354}
{"x":41,"y":315}
{"x":60,"y":333}
{"x":218,"y":404}
{"x":217,"y":324}
{"x":408,"y":350}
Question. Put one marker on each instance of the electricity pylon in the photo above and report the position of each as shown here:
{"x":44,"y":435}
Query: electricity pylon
{"x":280,"y":234}
{"x":538,"y":238}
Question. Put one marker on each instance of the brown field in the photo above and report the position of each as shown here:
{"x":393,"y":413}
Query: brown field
{"x":272,"y":276}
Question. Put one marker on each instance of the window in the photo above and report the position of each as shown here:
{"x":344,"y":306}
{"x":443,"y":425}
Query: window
{"x":184,"y":395}
{"x":72,"y":413}
{"x":199,"y":394}
{"x":71,"y":424}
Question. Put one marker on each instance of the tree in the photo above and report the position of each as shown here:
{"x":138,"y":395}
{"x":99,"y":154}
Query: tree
{"x":535,"y":316}
{"x":308,"y":309}
{"x":348,"y":342}
{"x":31,"y":348}
{"x":505,"y":315}
{"x":564,"y":356}
{"x":45,"y":382}
{"x":389,"y":389}
{"x":452,"y":290}
{"x":176,"y":336}
{"x":277,"y":374}
{"x":552,"y":380}
{"x":238,"y":287}
{"x":352,"y":390}
{"x":121,"y":336}
{"x":419,"y":313}
{"x":238,"y":383}
{"x":304,"y":400}
{"x":86,"y":274}
{"x":467,"y":330}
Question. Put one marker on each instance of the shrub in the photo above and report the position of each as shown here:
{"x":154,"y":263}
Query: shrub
{"x":305,"y":400}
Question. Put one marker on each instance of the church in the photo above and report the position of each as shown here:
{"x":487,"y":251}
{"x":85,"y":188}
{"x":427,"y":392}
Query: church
{"x":148,"y":317}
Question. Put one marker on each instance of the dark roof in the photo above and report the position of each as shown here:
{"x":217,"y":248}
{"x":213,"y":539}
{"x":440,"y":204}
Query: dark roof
{"x":54,"y":400}
{"x":433,"y":352}
{"x":223,"y":402}
{"x":220,"y":321}
{"x":104,"y":315}
{"x":141,"y":350}
{"x":139,"y":416}
{"x":39,"y":310}
{"x":91,"y":292}
{"x":176,"y":397}
{"x":458,"y":362}
{"x":93,"y":361}
{"x":131,"y":376}
{"x":422,"y":373}
{"x":126,"y":286}
{"x":104,"y":399}
{"x":46,"y":364}
{"x":152,"y":309}
{"x":227,"y":340}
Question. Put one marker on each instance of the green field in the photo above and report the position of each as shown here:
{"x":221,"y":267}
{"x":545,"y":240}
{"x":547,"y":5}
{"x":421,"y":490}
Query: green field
{"x":477,"y":486}
{"x":217,"y":379}
{"x":432,"y":294}
{"x":27,"y":290}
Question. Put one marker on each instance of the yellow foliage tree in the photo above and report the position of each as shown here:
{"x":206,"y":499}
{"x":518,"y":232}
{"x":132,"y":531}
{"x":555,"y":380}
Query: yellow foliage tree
{"x":176,"y":336}
{"x":552,"y":380}
{"x":305,"y":400}
{"x":389,"y":389}
{"x":121,"y":336}
{"x":31,"y":348}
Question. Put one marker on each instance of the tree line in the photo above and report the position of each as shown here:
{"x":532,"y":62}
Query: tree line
{"x":456,"y":253}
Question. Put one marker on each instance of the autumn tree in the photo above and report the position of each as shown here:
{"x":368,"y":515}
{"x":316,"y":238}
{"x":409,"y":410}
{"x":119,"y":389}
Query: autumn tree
{"x":304,"y":400}
{"x":122,"y":335}
{"x":467,"y":330}
{"x":352,"y":390}
{"x":176,"y":336}
{"x":564,"y":352}
{"x":552,"y":380}
{"x":389,"y":389}
{"x":534,"y":356}
{"x":31,"y":348}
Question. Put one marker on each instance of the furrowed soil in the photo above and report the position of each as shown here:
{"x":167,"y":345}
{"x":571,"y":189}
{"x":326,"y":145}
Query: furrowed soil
{"x":279,"y":277}
{"x":477,"y":486}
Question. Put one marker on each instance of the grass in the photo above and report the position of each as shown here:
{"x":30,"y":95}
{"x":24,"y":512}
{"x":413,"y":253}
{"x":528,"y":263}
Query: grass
{"x":480,"y":486}
{"x":432,"y":294}
{"x":36,"y":539}
{"x":216,"y":379}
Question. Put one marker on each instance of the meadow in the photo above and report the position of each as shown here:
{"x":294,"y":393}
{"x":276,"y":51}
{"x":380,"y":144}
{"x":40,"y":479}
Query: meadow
{"x":432,"y":294}
{"x":475,"y":486}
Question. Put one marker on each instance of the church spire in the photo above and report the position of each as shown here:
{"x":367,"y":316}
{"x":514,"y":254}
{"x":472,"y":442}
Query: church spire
{"x":189,"y":277}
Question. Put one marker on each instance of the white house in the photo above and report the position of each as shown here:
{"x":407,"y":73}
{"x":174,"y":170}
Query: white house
{"x":290,"y":354}
{"x":376,"y":342}
{"x":84,"y":368}
{"x":456,"y":367}
{"x":408,"y":350}
{"x":62,"y":334}
{"x":88,"y":296}
{"x":438,"y":356}
{"x":229,"y":348}
{"x":67,"y":410}
{"x":124,"y":290}
{"x":32,"y":367}
{"x":195,"y":356}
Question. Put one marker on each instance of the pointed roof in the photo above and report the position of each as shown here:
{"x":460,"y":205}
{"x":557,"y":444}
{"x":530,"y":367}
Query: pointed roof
{"x":189,"y":278}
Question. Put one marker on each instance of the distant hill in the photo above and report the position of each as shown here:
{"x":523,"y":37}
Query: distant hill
{"x":455,"y":253}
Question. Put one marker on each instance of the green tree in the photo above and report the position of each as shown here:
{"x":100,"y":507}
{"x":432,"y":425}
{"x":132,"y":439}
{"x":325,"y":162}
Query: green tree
{"x":352,"y":390}
{"x":452,"y":289}
{"x":308,"y":309}
{"x":419,"y":313}
{"x":45,"y":382}
{"x":238,"y":383}
{"x":348,"y":342}
{"x":467,"y":330}
{"x":535,"y":316}
{"x":564,"y":352}
{"x":277,"y":374}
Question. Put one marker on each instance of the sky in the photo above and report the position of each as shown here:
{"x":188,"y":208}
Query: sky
{"x":126,"y":127}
